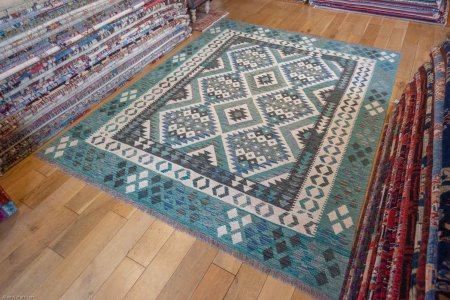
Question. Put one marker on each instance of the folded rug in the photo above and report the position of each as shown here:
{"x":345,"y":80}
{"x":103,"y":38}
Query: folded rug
{"x":7,"y":207}
{"x":59,"y":59}
{"x":257,"y":140}
{"x":432,"y":11}
{"x":404,"y":245}
{"x":206,"y":20}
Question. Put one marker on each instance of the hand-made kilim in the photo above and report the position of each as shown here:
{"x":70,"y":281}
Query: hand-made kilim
{"x":257,"y":140}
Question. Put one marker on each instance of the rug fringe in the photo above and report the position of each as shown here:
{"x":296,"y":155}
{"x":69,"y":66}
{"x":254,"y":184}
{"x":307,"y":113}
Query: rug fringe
{"x":248,"y":260}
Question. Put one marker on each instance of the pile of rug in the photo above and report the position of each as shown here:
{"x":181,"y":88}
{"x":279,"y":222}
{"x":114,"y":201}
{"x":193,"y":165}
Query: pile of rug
{"x":58,"y":58}
{"x":433,"y":11}
{"x":403,"y":245}
{"x":7,"y":207}
{"x":257,"y":140}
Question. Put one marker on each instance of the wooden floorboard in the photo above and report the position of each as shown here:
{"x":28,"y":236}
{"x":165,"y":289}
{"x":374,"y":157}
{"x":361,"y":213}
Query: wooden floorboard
{"x":73,"y":241}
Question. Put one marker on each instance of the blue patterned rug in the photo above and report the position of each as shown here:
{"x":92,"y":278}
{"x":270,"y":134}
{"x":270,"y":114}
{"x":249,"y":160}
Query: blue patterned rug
{"x":258,"y":140}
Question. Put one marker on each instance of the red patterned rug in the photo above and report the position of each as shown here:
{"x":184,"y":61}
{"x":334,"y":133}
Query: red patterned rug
{"x":205,"y":20}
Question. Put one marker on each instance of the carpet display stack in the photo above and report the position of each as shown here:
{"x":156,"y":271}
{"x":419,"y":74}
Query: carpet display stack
{"x":403,"y":249}
{"x":433,"y":11}
{"x":58,"y":58}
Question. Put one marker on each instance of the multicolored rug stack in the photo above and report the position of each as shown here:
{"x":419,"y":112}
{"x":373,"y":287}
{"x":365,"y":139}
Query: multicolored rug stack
{"x":7,"y":207}
{"x":433,"y":11}
{"x":403,"y":245}
{"x":58,"y":58}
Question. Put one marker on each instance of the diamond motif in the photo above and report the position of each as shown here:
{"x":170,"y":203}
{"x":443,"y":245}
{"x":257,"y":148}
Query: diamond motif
{"x":232,"y":213}
{"x":64,"y":144}
{"x":234,"y":225}
{"x":182,"y":126}
{"x":340,"y":219}
{"x":251,"y":58}
{"x":374,"y":108}
{"x":305,"y":72}
{"x":179,"y":57}
{"x":256,"y":149}
{"x":265,"y":79}
{"x":223,"y":87}
{"x":236,"y":238}
{"x":238,"y":114}
{"x":285,"y":106}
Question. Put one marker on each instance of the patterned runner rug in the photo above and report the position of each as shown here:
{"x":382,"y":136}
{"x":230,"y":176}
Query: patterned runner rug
{"x":206,"y":20}
{"x":257,"y":140}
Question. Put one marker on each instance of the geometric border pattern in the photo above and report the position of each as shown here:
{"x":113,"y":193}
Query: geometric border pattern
{"x":311,"y":200}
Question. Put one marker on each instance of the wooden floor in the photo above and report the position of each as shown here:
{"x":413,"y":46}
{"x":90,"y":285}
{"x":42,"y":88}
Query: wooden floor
{"x":69,"y":240}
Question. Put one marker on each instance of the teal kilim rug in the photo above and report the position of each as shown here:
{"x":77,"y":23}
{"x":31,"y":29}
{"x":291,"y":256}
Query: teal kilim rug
{"x":257,"y":140}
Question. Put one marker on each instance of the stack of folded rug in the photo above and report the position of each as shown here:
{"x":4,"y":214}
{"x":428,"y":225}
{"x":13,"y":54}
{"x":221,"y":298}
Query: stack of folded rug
{"x":433,"y":11}
{"x":403,"y":245}
{"x":7,"y":207}
{"x":58,"y":58}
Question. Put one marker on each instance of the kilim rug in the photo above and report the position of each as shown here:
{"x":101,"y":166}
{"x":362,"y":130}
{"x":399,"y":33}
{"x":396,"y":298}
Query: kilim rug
{"x":257,"y":140}
{"x":206,"y":20}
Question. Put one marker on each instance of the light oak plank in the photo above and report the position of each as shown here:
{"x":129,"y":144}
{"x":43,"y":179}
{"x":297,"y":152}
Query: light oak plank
{"x":83,"y":199}
{"x":84,"y":224}
{"x":24,"y":185}
{"x":30,"y":221}
{"x":46,"y":169}
{"x":189,"y":273}
{"x":124,"y":209}
{"x":45,"y":188}
{"x":151,"y":242}
{"x":18,"y":171}
{"x":247,"y":284}
{"x":331,"y":31}
{"x":72,"y":266}
{"x":103,"y":265}
{"x":154,"y":278}
{"x":383,"y":36}
{"x":214,"y":285}
{"x":275,"y":289}
{"x":228,"y":262}
{"x":396,"y":40}
{"x":19,"y":259}
{"x":120,"y":281}
{"x":35,"y":273}
{"x":13,"y":227}
{"x":424,"y":46}
{"x":299,"y":295}
{"x":371,"y":32}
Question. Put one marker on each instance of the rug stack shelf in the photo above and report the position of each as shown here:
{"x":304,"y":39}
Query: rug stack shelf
{"x":431,"y":11}
{"x":58,"y":58}
{"x":402,"y":249}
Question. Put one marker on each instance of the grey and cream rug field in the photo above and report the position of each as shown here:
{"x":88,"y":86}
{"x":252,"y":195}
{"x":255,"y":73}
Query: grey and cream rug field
{"x":258,"y":140}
